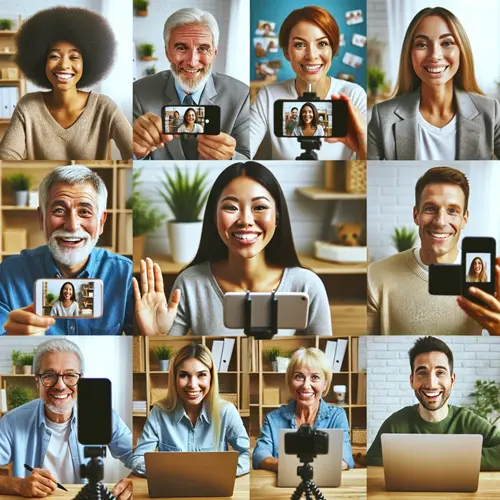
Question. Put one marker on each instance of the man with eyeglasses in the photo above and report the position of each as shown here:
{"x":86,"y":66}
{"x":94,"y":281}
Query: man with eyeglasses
{"x":43,"y":432}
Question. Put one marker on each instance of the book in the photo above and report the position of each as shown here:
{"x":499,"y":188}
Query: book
{"x":227,"y":351}
{"x":339,"y":355}
{"x":217,"y":347}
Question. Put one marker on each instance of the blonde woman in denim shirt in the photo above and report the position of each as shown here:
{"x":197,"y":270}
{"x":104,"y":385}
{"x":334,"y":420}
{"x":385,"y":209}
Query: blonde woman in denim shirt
{"x":308,"y":376}
{"x":193,"y":417}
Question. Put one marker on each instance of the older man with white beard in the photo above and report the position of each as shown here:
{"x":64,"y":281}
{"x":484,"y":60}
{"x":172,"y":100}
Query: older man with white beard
{"x":72,"y":214}
{"x":191,"y":40}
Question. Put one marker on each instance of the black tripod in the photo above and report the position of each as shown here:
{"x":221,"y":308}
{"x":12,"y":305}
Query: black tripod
{"x":307,"y":487}
{"x":94,"y":472}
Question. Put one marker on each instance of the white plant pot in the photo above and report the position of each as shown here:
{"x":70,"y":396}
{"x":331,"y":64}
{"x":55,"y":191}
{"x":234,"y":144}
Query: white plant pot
{"x":27,"y":369}
{"x":274,"y":365}
{"x":184,"y":238}
{"x":21,"y":198}
{"x":164,"y":364}
{"x":282,"y":364}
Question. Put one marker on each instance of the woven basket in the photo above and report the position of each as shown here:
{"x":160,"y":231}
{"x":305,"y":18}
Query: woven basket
{"x":355,"y":181}
{"x":359,"y":437}
{"x":157,"y":394}
{"x":231,"y":397}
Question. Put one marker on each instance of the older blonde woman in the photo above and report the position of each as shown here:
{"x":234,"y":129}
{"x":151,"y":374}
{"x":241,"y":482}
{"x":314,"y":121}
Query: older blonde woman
{"x":193,"y":417}
{"x":308,"y":376}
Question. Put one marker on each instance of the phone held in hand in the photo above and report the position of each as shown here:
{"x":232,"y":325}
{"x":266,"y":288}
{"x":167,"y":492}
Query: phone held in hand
{"x":191,"y":119}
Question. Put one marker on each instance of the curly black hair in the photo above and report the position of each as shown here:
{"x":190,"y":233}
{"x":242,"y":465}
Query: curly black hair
{"x":87,"y":30}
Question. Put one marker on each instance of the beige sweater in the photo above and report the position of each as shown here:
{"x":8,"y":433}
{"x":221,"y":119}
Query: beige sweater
{"x":399,"y":302}
{"x":34,"y":134}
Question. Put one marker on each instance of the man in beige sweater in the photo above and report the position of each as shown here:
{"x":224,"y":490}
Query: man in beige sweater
{"x":398,"y":299}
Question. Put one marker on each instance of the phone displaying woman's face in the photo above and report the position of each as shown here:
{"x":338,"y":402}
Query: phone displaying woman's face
{"x":64,"y":65}
{"x":435,"y":54}
{"x":193,"y":382}
{"x":246,"y":217}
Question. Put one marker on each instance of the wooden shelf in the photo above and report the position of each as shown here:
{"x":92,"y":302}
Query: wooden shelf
{"x":3,"y":53}
{"x":10,"y":80}
{"x":322,"y":194}
{"x":8,"y":32}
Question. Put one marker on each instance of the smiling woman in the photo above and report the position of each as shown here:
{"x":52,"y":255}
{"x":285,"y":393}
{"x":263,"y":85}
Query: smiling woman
{"x":64,"y":50}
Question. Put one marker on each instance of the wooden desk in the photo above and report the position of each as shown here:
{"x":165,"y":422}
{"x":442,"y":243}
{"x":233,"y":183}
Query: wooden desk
{"x":73,"y":490}
{"x":241,"y":490}
{"x":263,"y":486}
{"x":489,"y":487}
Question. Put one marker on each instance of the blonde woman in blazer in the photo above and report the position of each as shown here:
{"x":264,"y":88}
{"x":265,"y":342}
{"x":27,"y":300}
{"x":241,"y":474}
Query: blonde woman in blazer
{"x":438,"y":112}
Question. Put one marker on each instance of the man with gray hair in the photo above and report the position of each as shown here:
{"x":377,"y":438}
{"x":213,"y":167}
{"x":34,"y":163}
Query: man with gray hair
{"x":72,"y":214}
{"x":191,"y":40}
{"x":43,"y":432}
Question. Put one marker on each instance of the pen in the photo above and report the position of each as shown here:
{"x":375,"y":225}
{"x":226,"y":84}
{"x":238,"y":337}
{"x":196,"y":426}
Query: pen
{"x":60,"y":486}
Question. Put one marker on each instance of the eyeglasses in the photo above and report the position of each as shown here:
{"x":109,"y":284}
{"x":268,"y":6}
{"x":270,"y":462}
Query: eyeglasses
{"x":51,"y":379}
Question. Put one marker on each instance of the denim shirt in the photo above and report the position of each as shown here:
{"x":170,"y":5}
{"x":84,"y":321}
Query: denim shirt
{"x":25,"y":437}
{"x":328,"y":417}
{"x":19,"y":273}
{"x":174,"y":431}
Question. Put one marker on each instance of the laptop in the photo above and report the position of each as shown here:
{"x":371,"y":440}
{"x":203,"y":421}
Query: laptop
{"x":431,"y":462}
{"x":191,"y":473}
{"x":327,"y":468}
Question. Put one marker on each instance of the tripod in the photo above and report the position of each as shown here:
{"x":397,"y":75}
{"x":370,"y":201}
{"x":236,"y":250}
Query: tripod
{"x":309,"y":144}
{"x":307,"y":487}
{"x":94,"y":472}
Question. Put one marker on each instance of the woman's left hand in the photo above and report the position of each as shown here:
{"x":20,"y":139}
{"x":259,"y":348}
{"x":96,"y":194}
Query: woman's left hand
{"x":487,"y":318}
{"x":356,"y":129}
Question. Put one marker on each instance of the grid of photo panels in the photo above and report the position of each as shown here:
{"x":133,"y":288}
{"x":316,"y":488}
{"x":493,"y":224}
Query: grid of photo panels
{"x":249,"y":249}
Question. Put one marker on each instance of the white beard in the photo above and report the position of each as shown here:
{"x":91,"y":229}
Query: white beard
{"x":70,"y":256}
{"x":197,"y":84}
{"x":59,"y":410}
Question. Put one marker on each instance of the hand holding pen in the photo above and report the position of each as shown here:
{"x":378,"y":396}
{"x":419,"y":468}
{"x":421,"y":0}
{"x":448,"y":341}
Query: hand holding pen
{"x":39,"y":483}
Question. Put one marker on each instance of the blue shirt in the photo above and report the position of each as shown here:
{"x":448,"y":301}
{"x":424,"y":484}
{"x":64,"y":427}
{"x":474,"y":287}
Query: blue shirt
{"x":196,"y":96}
{"x":25,"y":437}
{"x":19,"y":273}
{"x":174,"y":431}
{"x":328,"y":417}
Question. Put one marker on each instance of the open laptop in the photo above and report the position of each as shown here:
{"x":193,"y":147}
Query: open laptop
{"x":431,"y":462}
{"x":327,"y":468}
{"x":191,"y":473}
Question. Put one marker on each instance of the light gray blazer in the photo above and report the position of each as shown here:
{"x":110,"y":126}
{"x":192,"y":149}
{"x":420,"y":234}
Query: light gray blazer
{"x":231,"y":95}
{"x":393,"y":131}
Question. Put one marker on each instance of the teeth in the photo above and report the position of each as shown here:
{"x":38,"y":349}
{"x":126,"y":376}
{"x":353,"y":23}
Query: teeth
{"x":440,"y":235}
{"x":62,"y":396}
{"x":191,"y":70}
{"x":432,"y":394}
{"x":246,"y":236}
{"x":312,"y":68}
{"x":64,"y":76}
{"x":71,"y":239}
{"x":436,"y":70}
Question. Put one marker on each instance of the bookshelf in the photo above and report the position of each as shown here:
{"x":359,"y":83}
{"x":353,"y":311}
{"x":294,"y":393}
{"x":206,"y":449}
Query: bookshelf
{"x":19,"y":224}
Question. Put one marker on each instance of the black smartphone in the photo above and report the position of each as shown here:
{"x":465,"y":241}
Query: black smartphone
{"x":191,"y":119}
{"x":445,"y":279}
{"x":94,"y":411}
{"x":310,"y":118}
{"x":478,"y":266}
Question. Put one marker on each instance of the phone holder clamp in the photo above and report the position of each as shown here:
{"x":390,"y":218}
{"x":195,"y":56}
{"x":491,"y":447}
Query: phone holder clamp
{"x":261,"y":333}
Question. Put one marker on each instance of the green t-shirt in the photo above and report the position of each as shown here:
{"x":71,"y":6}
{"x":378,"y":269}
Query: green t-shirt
{"x":458,"y":421}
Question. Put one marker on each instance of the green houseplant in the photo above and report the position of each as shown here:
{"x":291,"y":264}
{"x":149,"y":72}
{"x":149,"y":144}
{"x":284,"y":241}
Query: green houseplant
{"x":6,"y":24}
{"x":163,"y":353}
{"x":20,"y":184}
{"x":376,"y":80}
{"x":272,"y":354}
{"x":486,"y":400}
{"x":141,"y":7}
{"x":49,"y":299}
{"x":185,"y":195}
{"x":404,"y":238}
{"x":17,"y":396}
{"x":146,"y":51}
{"x":27,"y":362}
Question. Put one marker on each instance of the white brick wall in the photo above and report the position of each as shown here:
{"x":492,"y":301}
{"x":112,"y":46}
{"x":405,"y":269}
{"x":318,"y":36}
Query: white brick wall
{"x":388,"y":385}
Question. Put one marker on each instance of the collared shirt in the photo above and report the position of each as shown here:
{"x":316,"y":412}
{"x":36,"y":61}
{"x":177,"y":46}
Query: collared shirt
{"x":328,"y":417}
{"x":19,"y":273}
{"x":196,"y":96}
{"x":25,"y":437}
{"x":174,"y":431}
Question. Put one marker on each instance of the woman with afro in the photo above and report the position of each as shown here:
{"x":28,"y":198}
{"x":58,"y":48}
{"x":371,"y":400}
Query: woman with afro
{"x":65,"y":49}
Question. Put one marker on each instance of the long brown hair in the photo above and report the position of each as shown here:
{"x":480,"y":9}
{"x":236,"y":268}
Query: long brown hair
{"x":471,"y":275}
{"x":464,"y":79}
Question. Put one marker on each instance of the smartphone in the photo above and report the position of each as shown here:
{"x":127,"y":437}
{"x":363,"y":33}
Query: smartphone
{"x":293,"y":308}
{"x":328,"y":118}
{"x":445,"y":279}
{"x":478,"y":266}
{"x":191,"y":119}
{"x":69,"y":298}
{"x":94,"y":421}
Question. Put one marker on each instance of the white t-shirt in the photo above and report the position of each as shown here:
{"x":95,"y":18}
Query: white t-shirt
{"x":437,"y":143}
{"x":59,"y":310}
{"x":58,"y":457}
{"x":288,"y":148}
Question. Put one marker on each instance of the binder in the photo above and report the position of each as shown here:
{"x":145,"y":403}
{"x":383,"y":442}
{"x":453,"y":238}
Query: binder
{"x":217,"y":352}
{"x":339,"y":355}
{"x":227,"y":351}
{"x":331,"y":346}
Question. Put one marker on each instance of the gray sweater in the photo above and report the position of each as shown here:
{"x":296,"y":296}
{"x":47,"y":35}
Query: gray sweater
{"x":200,"y":307}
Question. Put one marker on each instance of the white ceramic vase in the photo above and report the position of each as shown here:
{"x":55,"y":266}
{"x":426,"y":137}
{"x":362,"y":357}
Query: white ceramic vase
{"x":164,"y":365}
{"x":21,"y":198}
{"x":184,"y":238}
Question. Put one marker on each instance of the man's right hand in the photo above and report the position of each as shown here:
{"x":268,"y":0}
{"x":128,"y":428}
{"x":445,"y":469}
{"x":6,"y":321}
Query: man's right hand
{"x":24,"y":321}
{"x":148,"y":136}
{"x":39,"y":483}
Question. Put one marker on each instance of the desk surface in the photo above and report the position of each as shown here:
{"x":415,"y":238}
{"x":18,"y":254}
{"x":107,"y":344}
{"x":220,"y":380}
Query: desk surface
{"x":489,"y":487}
{"x":73,"y":490}
{"x":263,"y":485}
{"x":241,"y":490}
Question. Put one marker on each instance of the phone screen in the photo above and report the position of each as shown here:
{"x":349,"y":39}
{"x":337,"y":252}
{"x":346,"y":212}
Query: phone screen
{"x":69,"y":298}
{"x":191,"y":119}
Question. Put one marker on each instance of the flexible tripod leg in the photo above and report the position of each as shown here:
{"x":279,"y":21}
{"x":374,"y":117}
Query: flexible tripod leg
{"x":94,"y":491}
{"x":313,"y":490}
{"x":297,"y":494}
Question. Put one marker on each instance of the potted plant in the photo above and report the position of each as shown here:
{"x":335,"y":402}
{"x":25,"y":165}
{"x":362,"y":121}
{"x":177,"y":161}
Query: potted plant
{"x":163,"y":353}
{"x":27,"y":362}
{"x":376,"y":80}
{"x":6,"y":24}
{"x":146,"y":51}
{"x":404,"y":238}
{"x":282,"y":362}
{"x":16,"y":360}
{"x":141,"y":7}
{"x":17,"y":396}
{"x":486,"y":402}
{"x":151,"y":70}
{"x":49,"y":299}
{"x":185,"y":195}
{"x":145,"y":218}
{"x":21,"y":185}
{"x":272,"y":354}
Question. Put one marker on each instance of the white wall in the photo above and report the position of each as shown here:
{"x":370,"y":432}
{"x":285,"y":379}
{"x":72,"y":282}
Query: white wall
{"x":388,"y":375}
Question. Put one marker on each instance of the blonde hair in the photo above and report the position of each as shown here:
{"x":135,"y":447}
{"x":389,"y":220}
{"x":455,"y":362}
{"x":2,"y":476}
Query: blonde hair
{"x":313,"y":358}
{"x":464,"y":79}
{"x":202,"y":354}
{"x":471,"y":275}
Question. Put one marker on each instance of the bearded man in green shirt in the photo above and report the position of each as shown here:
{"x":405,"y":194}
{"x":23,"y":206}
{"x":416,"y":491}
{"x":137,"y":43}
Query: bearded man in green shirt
{"x":432,"y":378}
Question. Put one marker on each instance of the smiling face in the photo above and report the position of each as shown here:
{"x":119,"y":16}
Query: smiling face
{"x":191,"y":53}
{"x":294,"y":113}
{"x":309,"y":52}
{"x":67,"y":292}
{"x":440,"y":218}
{"x":64,"y":66}
{"x":246,"y":217}
{"x":307,"y":114}
{"x":307,"y":385}
{"x":190,"y":117}
{"x":431,"y":380}
{"x":477,"y":266}
{"x":435,"y":54}
{"x":193,"y":382}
